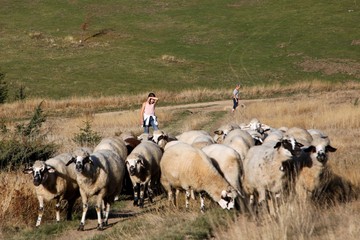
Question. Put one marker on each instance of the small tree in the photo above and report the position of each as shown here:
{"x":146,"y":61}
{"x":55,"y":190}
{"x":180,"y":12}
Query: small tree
{"x":87,"y":137}
{"x":26,"y":144}
{"x":3,"y":88}
{"x":20,"y":95}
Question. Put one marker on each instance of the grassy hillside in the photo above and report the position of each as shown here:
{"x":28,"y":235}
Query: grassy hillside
{"x":174,"y":45}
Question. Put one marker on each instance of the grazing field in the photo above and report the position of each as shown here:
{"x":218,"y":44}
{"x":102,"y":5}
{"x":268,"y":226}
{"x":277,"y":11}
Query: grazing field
{"x":334,"y":112}
{"x":137,"y":46}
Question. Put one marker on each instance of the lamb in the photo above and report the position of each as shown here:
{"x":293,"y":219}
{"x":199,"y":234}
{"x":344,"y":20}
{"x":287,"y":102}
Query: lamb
{"x":53,"y":180}
{"x":264,"y":167}
{"x":143,"y":165}
{"x":101,"y":174}
{"x":223,"y":131}
{"x":188,"y":168}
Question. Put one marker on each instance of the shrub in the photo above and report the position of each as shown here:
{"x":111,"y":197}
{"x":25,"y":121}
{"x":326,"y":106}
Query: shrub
{"x":3,"y":88}
{"x":87,"y":137}
{"x":26,"y":143}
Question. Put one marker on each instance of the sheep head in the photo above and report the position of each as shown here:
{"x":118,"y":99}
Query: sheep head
{"x":40,"y":172}
{"x":291,"y":145}
{"x":81,"y":161}
{"x":227,"y":200}
{"x":135,"y":165}
{"x":323,"y":148}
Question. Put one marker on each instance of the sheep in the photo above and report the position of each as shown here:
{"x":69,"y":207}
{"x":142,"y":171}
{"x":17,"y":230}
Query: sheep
{"x":161,"y":138}
{"x":101,"y":174}
{"x":274,"y":136}
{"x":143,"y":165}
{"x":53,"y":180}
{"x":115,"y":144}
{"x":301,"y":135}
{"x":228,"y":162}
{"x":224,"y":130}
{"x":264,"y":167}
{"x":185,"y":167}
{"x":256,"y":125}
{"x":189,"y":136}
{"x":312,"y":165}
{"x":202,"y":141}
{"x":240,"y":141}
{"x":130,"y":141}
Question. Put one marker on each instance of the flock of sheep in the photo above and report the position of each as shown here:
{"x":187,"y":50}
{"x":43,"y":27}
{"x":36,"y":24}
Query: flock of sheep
{"x":245,"y":166}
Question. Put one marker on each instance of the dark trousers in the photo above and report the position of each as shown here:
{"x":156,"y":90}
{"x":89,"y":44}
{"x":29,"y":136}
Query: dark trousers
{"x":236,"y":103}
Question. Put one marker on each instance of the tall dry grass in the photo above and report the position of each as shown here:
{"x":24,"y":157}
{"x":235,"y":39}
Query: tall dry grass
{"x":90,"y":105}
{"x":334,"y":112}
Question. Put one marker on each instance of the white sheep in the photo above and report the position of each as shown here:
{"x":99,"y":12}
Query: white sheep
{"x":53,"y":180}
{"x":115,"y":144}
{"x":130,"y":141}
{"x":223,"y":131}
{"x":311,"y":165}
{"x":240,"y":140}
{"x":189,"y":136}
{"x":143,"y":165}
{"x":188,"y":168}
{"x":228,"y":162}
{"x":301,"y":135}
{"x":161,"y":138}
{"x":101,"y":174}
{"x":264,"y":167}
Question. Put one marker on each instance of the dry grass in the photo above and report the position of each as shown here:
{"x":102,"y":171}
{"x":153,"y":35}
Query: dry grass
{"x":334,"y":112}
{"x":90,"y":105}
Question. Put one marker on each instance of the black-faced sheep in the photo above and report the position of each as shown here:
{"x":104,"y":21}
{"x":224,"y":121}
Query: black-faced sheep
{"x":53,"y":180}
{"x":143,"y":165}
{"x":264,"y":168}
{"x":101,"y":174}
{"x":184,"y":167}
{"x":312,"y":165}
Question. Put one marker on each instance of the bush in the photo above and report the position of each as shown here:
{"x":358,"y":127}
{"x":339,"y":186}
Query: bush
{"x":87,"y":137}
{"x":3,"y":88}
{"x":25,"y":144}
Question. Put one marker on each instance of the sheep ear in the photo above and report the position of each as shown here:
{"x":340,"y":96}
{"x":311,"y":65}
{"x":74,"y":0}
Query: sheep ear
{"x":278,"y":144}
{"x":28,"y":170}
{"x":310,"y":149}
{"x":330,"y":148}
{"x":219,"y":132}
{"x":72,"y":160}
{"x":90,"y":161}
{"x":50,"y":169}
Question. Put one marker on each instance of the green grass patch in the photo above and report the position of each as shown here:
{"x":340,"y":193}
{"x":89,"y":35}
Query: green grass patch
{"x":172,"y":46}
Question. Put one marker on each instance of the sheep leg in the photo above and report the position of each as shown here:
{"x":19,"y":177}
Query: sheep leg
{"x":106,"y":214}
{"x":202,"y":202}
{"x":57,"y":209}
{"x":71,"y":203}
{"x":41,"y":210}
{"x":84,"y":200}
{"x":142,"y":193}
{"x":187,"y":198}
{"x":98,"y":207}
{"x":136,"y":192}
{"x":176,"y":197}
{"x":150,"y":192}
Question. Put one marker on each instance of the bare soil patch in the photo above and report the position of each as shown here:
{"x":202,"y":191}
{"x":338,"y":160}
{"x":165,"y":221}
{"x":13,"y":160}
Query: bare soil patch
{"x":331,"y":66}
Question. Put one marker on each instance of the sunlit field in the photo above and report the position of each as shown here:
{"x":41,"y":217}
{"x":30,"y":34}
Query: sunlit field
{"x":334,"y":112}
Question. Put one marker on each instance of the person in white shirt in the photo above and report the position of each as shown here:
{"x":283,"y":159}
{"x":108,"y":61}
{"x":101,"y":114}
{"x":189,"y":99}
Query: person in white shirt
{"x":236,"y":97}
{"x":147,"y":113}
